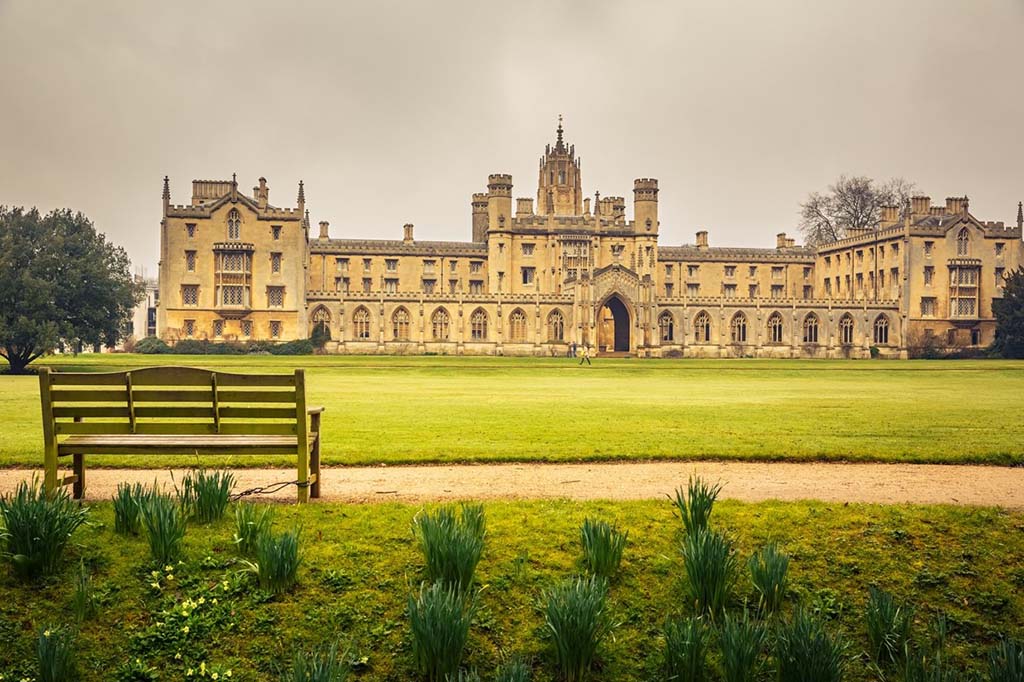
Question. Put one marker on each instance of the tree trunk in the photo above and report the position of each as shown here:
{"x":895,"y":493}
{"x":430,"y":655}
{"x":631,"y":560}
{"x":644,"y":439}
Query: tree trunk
{"x":17,"y":361}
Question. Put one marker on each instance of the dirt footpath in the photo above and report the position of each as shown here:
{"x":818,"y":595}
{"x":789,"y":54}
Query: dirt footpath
{"x":878,"y":483}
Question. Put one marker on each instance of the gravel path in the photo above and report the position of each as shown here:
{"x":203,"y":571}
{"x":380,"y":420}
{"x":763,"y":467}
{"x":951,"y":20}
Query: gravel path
{"x":753,"y":481}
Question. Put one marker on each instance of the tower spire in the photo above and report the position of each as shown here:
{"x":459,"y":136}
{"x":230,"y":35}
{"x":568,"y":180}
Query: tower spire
{"x":1020,"y":215}
{"x":167,"y":189}
{"x":302,"y":195}
{"x":559,"y":144}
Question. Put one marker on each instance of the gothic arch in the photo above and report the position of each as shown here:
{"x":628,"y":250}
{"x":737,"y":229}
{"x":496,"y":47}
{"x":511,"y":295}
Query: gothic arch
{"x":556,"y":326}
{"x":776,"y":328}
{"x":400,"y":324}
{"x":846,"y":329}
{"x":361,"y":324}
{"x":738,"y":328}
{"x":440,"y":325}
{"x":702,"y":327}
{"x":478,"y":322}
{"x":517,"y":326}
{"x":811,"y":327}
{"x":667,"y":327}
{"x":881,"y":330}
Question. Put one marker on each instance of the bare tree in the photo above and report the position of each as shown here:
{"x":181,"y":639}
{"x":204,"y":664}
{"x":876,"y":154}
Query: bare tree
{"x":851,"y":203}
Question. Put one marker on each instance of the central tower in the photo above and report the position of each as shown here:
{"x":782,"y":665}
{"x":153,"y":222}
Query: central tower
{"x":559,"y":190}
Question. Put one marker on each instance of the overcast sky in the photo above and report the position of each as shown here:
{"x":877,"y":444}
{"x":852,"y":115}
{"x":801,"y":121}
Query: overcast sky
{"x":397,"y":112}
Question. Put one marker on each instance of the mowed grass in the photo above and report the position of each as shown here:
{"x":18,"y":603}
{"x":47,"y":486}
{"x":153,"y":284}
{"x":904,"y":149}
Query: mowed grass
{"x":470,"y":409}
{"x":361,"y":563}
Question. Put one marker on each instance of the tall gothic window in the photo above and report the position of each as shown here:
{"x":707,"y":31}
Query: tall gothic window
{"x":361,"y":323}
{"x":775,"y":328}
{"x":440,"y":323}
{"x":234,"y":225}
{"x":400,"y":325}
{"x":963,"y":243}
{"x":517,"y":326}
{"x":667,"y":326}
{"x":478,"y":325}
{"x":738,"y":328}
{"x":811,"y":328}
{"x":882,"y":330}
{"x":702,"y":328}
{"x":322,"y":321}
{"x":556,"y":326}
{"x":846,"y":330}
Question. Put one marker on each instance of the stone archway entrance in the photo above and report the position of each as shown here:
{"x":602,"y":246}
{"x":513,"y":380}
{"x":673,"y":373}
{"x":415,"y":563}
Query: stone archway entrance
{"x":613,"y":326}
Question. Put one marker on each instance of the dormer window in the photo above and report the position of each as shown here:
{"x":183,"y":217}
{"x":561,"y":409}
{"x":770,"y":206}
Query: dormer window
{"x":234,"y":225}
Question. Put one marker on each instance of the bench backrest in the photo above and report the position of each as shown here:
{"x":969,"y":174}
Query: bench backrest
{"x":172,"y":400}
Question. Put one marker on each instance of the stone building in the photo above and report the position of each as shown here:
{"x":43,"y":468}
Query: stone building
{"x":543,"y":272}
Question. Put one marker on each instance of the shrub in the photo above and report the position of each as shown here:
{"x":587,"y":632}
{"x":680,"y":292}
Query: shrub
{"x":602,"y":547}
{"x":888,"y":625}
{"x":1006,"y":662}
{"x":136,"y":671}
{"x":165,"y":527}
{"x":190,"y":347}
{"x":769,"y":569}
{"x":686,"y":650}
{"x":151,"y":345}
{"x":439,"y":617}
{"x":516,"y":670}
{"x":251,"y":523}
{"x":451,"y":544}
{"x":83,"y":601}
{"x":37,"y":528}
{"x":204,"y":495}
{"x":695,"y":503}
{"x":711,"y":567}
{"x":324,"y":665}
{"x":128,"y":504}
{"x":297,"y":347}
{"x":55,"y":655}
{"x":741,"y":641}
{"x":576,"y":618}
{"x":805,"y":652}
{"x":277,"y":561}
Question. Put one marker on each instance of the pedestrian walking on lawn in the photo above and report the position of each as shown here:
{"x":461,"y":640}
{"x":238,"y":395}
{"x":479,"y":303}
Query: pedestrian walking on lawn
{"x":585,"y":355}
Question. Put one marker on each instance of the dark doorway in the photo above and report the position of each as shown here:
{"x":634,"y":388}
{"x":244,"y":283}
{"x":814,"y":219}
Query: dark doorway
{"x":613,"y":332}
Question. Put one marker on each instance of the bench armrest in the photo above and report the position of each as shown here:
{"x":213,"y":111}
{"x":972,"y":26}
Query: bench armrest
{"x":315,"y":410}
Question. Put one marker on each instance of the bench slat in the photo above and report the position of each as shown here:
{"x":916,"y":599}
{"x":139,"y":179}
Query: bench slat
{"x":170,"y":376}
{"x":235,"y":412}
{"x":90,"y":396}
{"x":175,"y":428}
{"x":181,"y":445}
{"x":173,"y":411}
{"x":243,"y":396}
{"x":87,"y":378}
{"x":86,"y":411}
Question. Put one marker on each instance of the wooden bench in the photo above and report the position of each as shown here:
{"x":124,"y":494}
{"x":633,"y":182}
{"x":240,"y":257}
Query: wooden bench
{"x":177,"y":411}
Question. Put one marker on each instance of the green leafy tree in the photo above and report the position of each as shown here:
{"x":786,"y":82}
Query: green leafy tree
{"x":61,"y":283}
{"x":1009,"y":312}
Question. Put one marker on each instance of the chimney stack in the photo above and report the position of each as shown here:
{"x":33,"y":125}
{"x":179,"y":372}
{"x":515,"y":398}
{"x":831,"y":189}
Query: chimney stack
{"x":920,"y":205}
{"x":324,"y":225}
{"x":890,"y":215}
{"x":524,"y":206}
{"x":407,"y":238}
{"x":702,"y":239}
{"x":586,"y":206}
{"x":780,"y":240}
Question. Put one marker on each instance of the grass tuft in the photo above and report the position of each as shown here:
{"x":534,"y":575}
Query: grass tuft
{"x":204,"y":495}
{"x":741,"y":641}
{"x":686,"y":649}
{"x":277,"y":561}
{"x":806,"y":652}
{"x":1006,"y":661}
{"x":711,"y":567}
{"x":83,"y":601}
{"x":55,"y":655}
{"x":769,"y":571}
{"x":37,"y":528}
{"x":323,"y":665}
{"x":251,"y":522}
{"x":165,"y":528}
{"x":470,"y":675}
{"x":439,"y":617}
{"x":128,"y":502}
{"x":576,"y":618}
{"x":695,"y":502}
{"x":888,"y":625}
{"x":516,"y":670}
{"x":602,"y":544}
{"x":452,"y":544}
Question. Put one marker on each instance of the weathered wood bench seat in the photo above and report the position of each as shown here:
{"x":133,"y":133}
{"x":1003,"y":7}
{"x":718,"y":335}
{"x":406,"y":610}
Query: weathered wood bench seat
{"x":177,"y":411}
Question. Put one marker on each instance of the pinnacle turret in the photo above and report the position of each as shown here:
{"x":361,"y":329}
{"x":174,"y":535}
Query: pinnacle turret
{"x":1020,"y":215}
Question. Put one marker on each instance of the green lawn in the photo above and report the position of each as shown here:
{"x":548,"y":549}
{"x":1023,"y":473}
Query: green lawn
{"x":360,"y":564}
{"x":448,"y":409}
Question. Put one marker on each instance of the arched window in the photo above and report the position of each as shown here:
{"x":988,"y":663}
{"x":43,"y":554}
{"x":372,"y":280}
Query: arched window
{"x":478,"y":325}
{"x":361,"y":323}
{"x":882,"y":330}
{"x":702,"y":328}
{"x":846,"y":330}
{"x":667,"y":325}
{"x":811,"y":328}
{"x":738,"y":328}
{"x":234,"y":225}
{"x":963,"y":243}
{"x":517,"y":326}
{"x":439,"y":324}
{"x":775,"y":328}
{"x":322,"y":321}
{"x":556,"y":326}
{"x":400,"y":325}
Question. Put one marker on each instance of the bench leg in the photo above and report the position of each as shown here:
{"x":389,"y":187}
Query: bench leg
{"x":314,"y":466}
{"x":78,"y":464}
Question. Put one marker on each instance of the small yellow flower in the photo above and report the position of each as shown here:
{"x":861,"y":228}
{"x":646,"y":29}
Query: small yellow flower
{"x":185,"y":629}
{"x":177,"y":656}
{"x":46,"y":633}
{"x":227,"y":673}
{"x":155,"y":586}
{"x":202,"y":600}
{"x":214,"y":676}
{"x":168,"y":568}
{"x":202,"y":668}
{"x":189,"y":673}
{"x":213,"y":601}
{"x":170,"y":576}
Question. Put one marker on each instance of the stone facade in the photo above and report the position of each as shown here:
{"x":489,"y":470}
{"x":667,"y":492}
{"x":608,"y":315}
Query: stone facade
{"x":542,"y":273}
